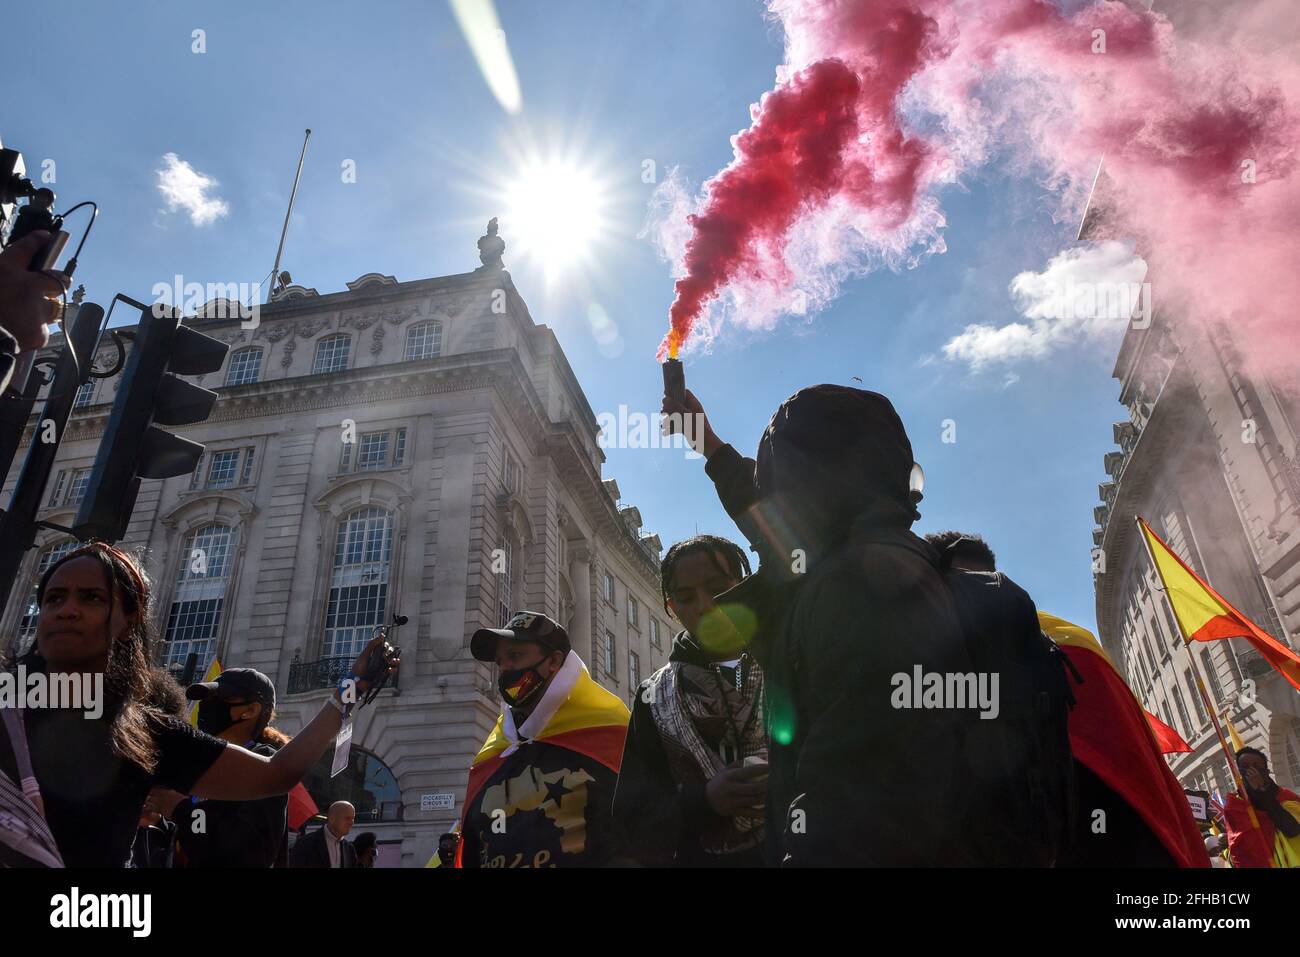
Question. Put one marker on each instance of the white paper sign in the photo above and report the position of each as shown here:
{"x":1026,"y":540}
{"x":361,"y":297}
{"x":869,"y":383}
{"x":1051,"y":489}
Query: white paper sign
{"x":342,"y":747}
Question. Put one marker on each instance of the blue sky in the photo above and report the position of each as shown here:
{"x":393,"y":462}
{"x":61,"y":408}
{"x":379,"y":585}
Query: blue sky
{"x":392,"y":86}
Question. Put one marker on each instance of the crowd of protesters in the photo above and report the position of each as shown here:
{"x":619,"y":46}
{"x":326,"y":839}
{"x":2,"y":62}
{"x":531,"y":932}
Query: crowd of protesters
{"x":784,"y":730}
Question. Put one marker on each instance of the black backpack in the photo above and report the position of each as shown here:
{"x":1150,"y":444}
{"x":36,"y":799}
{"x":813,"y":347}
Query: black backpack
{"x":1023,"y":796}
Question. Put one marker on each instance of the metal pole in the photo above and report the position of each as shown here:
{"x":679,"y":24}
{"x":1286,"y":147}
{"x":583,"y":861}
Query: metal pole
{"x":275,"y":270}
{"x":18,"y":526}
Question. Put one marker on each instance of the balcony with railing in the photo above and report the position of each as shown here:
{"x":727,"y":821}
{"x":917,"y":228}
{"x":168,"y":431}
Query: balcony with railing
{"x":307,"y":676}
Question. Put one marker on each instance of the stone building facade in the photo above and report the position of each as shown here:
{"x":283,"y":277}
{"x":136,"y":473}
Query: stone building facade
{"x":417,"y":448}
{"x":1208,"y":456}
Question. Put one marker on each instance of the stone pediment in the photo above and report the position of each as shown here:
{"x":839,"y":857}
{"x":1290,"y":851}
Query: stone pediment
{"x":371,"y":279}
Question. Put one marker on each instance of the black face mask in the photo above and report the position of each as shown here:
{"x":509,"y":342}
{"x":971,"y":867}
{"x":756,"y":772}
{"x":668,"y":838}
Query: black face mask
{"x":214,"y":716}
{"x":521,"y":686}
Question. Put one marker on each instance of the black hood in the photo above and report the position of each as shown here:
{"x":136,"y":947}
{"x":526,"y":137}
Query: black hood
{"x":830,"y":456}
{"x":687,"y":650}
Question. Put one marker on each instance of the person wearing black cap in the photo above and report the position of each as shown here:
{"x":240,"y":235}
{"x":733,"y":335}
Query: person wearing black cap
{"x":237,"y":707}
{"x":540,"y":789}
{"x":845,"y":597}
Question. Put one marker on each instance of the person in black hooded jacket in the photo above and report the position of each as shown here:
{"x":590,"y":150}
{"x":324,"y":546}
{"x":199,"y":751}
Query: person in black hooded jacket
{"x":693,"y":778}
{"x":845,"y":598}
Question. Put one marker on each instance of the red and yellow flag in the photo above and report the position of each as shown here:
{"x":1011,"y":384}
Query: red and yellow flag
{"x":1114,"y":738}
{"x":1205,"y":615}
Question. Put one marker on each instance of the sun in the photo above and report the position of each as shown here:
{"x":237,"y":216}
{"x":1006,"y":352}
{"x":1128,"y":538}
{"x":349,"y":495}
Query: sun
{"x":555,"y":214}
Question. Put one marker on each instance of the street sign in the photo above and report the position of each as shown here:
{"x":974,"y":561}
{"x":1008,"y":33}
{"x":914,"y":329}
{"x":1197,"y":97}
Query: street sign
{"x":437,"y":802}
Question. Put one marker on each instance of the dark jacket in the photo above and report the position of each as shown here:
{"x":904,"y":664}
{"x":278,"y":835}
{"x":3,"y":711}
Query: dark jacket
{"x":845,"y":598}
{"x":310,"y":851}
{"x":658,"y":817}
{"x":234,"y":833}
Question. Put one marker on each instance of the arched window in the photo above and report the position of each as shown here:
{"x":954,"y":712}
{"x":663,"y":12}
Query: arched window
{"x":332,"y":354}
{"x":366,"y":783}
{"x":194,"y":620}
{"x":506,"y":600}
{"x":245,"y":366}
{"x":358,"y":598}
{"x":27,"y":625}
{"x":424,"y":340}
{"x":84,"y":395}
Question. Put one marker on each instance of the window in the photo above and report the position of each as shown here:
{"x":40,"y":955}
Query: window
{"x":633,"y":612}
{"x":1196,"y":697}
{"x":1212,"y":676}
{"x":655,"y":641}
{"x":366,"y":783}
{"x":332,"y":354}
{"x":633,"y":671}
{"x":424,"y":341}
{"x":609,"y":655}
{"x":609,"y":588}
{"x":372,"y":453}
{"x":222,"y":468}
{"x":506,"y":584}
{"x":225,"y":468}
{"x":358,"y":596}
{"x":246,"y":473}
{"x":27,"y":626}
{"x":375,"y":450}
{"x":509,"y":473}
{"x":84,"y":395}
{"x":77,"y":487}
{"x":194,"y":619}
{"x":246,"y":366}
{"x":1182,"y":711}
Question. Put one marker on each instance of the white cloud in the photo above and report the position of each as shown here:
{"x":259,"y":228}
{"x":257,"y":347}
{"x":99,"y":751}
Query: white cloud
{"x":1084,"y":295}
{"x":184,"y":187}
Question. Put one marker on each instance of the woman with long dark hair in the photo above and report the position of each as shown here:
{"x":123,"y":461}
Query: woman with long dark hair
{"x":94,"y":773}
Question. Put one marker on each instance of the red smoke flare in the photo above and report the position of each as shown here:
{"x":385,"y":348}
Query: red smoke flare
{"x":829,"y":132}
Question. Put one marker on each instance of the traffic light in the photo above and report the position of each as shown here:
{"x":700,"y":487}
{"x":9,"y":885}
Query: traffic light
{"x":133,"y":447}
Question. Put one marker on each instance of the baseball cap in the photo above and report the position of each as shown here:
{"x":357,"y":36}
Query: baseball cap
{"x":234,"y":684}
{"x":522,"y":626}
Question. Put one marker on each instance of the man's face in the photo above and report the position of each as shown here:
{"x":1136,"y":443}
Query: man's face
{"x":447,"y":851}
{"x":340,"y":820}
{"x":1254,"y":769}
{"x":697,"y":579}
{"x":514,"y":655}
{"x":72,"y":632}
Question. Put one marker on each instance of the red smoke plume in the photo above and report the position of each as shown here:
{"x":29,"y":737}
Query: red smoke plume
{"x":881,"y":101}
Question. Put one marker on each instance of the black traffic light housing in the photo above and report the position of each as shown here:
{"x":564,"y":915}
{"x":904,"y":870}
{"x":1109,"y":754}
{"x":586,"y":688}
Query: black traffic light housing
{"x":133,"y":448}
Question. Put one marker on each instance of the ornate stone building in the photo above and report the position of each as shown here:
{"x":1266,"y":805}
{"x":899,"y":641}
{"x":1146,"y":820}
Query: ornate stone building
{"x":416,"y":448}
{"x":1208,"y":456}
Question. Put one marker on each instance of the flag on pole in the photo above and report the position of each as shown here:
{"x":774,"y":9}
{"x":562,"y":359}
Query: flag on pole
{"x":1205,"y":615}
{"x":1237,"y":743}
{"x":214,"y":669}
{"x":1114,"y":738}
{"x":301,"y":807}
{"x":1170,"y":741}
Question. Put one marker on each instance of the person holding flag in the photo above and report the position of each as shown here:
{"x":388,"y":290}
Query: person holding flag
{"x":541,"y":787}
{"x":1266,"y":831}
{"x":1270,"y":839}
